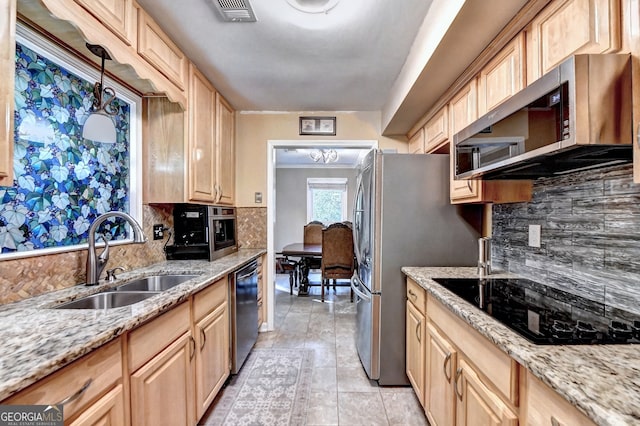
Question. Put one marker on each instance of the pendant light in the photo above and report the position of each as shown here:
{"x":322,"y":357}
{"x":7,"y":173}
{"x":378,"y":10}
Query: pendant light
{"x":100,"y":126}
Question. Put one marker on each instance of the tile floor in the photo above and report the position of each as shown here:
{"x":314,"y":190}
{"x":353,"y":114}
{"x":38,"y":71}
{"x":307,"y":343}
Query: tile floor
{"x":341,"y":393}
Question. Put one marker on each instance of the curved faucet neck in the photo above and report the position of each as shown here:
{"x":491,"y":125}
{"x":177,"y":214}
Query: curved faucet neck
{"x":95,"y":265}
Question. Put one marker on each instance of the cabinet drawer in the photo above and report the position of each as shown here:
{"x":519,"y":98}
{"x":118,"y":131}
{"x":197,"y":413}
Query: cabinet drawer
{"x":546,"y":407}
{"x":146,"y":341}
{"x":103,"y":367}
{"x":416,"y":295}
{"x":490,"y":361}
{"x":208,"y":299}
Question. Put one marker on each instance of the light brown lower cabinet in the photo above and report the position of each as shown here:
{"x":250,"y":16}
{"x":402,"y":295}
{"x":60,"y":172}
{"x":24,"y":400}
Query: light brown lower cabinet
{"x":441,"y":365}
{"x":470,"y":381}
{"x":477,"y":404}
{"x":90,"y":389}
{"x":162,"y":389}
{"x":211,"y":331}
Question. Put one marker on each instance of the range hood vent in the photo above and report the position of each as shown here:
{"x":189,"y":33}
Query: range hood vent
{"x":235,"y":10}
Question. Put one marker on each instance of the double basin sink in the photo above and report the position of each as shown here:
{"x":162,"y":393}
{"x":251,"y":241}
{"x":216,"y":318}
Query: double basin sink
{"x":127,"y":294}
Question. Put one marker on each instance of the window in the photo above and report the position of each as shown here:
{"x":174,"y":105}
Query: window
{"x":327,"y":200}
{"x":62,"y":181}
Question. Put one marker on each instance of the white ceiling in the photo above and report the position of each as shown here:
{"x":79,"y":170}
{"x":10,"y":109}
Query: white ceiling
{"x":393,"y":56}
{"x":345,"y":60}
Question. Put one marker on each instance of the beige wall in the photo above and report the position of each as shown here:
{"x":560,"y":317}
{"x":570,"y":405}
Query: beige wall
{"x":253,"y":130}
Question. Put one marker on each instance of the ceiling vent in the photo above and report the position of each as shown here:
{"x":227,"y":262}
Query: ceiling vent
{"x":235,"y":10}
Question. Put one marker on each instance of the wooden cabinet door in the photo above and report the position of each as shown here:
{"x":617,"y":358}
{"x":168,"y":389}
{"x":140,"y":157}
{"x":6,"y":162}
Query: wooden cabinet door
{"x":463,"y":109}
{"x":226,"y":166}
{"x":477,"y":404}
{"x":158,"y":49}
{"x":436,"y":132}
{"x":571,"y":26}
{"x":212,"y":358}
{"x":439,"y":373}
{"x":502,"y":77}
{"x":7,"y":73}
{"x":117,"y":15}
{"x":163,"y":137}
{"x":201,"y":155}
{"x":107,"y":411}
{"x":416,"y":143}
{"x":162,"y":389}
{"x":415,"y":351}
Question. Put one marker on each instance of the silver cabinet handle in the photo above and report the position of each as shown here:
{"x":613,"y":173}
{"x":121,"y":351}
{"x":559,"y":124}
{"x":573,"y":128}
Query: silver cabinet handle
{"x":555,"y":422}
{"x":469,"y":185}
{"x":76,"y":395}
{"x":193,"y":347}
{"x":203,"y":336}
{"x":447,"y":360}
{"x":412,"y":294}
{"x":418,"y":327}
{"x":455,"y":383}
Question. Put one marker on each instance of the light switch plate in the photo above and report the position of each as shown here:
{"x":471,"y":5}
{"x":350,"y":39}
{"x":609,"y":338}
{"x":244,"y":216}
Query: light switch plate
{"x":534,"y":235}
{"x":258,"y":198}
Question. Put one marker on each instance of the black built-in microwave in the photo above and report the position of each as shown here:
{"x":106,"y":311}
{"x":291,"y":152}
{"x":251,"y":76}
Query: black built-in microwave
{"x":203,"y":232}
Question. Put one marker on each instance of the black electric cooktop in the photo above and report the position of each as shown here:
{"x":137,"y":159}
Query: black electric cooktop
{"x":545,"y":315}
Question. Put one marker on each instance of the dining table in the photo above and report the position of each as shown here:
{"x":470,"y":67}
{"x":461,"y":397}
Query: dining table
{"x":307,"y":254}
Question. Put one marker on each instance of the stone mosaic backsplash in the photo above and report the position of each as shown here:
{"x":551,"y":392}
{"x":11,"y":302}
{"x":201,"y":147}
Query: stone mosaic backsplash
{"x":590,"y":236}
{"x":252,"y":227}
{"x":31,"y":276}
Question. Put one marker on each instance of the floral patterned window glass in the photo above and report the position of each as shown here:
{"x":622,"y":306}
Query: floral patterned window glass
{"x":62,"y":182}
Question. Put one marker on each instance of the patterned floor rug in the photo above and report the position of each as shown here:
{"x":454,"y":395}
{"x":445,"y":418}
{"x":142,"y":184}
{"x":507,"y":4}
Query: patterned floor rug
{"x":272,"y":388}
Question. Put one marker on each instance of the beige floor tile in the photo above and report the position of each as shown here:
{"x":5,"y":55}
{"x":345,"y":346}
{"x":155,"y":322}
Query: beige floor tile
{"x":324,"y":379}
{"x":354,"y":379}
{"x":403,"y":408}
{"x":323,"y":408}
{"x":361,"y":408}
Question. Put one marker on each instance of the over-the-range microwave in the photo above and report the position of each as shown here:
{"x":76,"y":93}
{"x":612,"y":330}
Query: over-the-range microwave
{"x":577,"y":116}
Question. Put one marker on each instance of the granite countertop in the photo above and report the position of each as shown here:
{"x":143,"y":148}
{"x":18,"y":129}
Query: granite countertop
{"x":37,"y":340}
{"x":602,"y":381}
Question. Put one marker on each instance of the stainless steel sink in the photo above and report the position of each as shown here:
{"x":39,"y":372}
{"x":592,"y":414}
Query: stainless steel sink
{"x":108,"y":300}
{"x":155,"y":283}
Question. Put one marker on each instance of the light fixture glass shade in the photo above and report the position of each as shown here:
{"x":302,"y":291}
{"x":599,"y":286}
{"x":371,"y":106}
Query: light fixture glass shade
{"x":326,"y":156}
{"x":99,"y":127}
{"x":313,"y":6}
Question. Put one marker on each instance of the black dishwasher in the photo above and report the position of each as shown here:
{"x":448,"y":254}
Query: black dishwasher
{"x":244,"y":313}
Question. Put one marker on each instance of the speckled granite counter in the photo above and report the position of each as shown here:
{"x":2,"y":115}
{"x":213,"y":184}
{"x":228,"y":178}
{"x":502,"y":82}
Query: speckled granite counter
{"x":37,"y":341}
{"x":602,"y":381}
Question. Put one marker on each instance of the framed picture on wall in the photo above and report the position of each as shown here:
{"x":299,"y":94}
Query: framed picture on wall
{"x":324,"y":126}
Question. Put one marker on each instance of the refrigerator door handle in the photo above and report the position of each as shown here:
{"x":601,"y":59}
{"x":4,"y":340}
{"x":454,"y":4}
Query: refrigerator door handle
{"x":355,"y":286}
{"x":357,"y":222}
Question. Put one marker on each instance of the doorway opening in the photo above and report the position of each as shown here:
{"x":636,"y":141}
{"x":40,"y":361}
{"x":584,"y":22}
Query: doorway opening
{"x":292,"y":160}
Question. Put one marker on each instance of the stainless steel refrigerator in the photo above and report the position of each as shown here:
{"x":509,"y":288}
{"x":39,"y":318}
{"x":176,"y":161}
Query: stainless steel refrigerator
{"x":402,"y":217}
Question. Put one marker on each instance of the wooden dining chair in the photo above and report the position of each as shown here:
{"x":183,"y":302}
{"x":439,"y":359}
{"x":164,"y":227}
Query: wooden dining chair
{"x":313,"y":232}
{"x":337,"y":256}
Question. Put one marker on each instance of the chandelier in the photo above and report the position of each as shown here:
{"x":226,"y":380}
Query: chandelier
{"x":100,"y":126}
{"x":324,"y":155}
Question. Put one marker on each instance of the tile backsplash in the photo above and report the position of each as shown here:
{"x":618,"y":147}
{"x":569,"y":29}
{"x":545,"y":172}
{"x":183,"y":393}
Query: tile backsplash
{"x":31,"y":276}
{"x":590,"y":236}
{"x":252,"y":227}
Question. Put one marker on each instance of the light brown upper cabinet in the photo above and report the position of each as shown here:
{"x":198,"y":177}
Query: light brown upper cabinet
{"x":7,"y":71}
{"x":226,"y":156}
{"x":416,"y":142}
{"x":201,"y":141}
{"x":117,"y":15}
{"x":503,"y":77}
{"x":463,"y":109}
{"x":163,"y":133}
{"x":572,"y":26}
{"x":436,"y":132}
{"x":162,"y":53}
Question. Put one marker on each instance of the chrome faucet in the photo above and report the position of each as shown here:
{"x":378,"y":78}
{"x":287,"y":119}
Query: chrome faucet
{"x":484,"y":256}
{"x":95,"y":263}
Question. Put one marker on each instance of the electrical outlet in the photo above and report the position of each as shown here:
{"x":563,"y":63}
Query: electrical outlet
{"x":534,"y":236}
{"x":158,"y":232}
